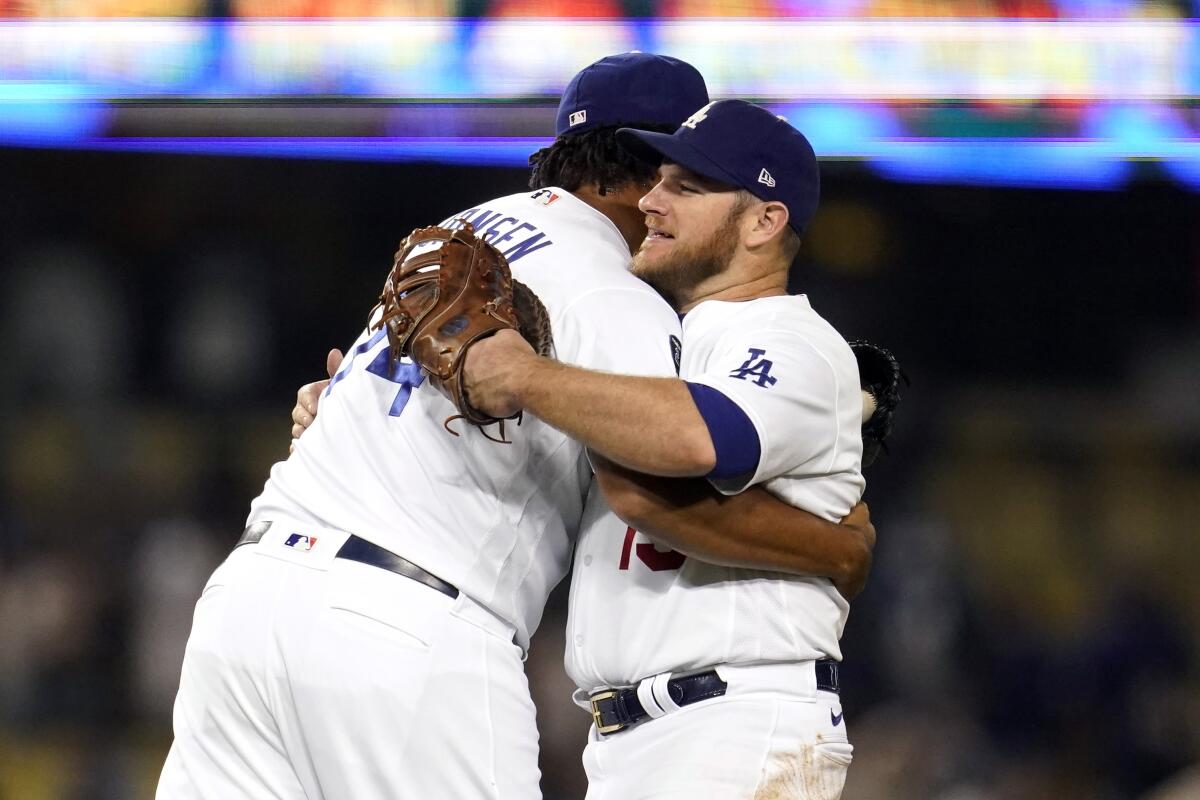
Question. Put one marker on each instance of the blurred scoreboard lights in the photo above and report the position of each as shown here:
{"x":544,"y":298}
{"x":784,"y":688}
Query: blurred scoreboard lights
{"x":1066,"y":102}
{"x":430,"y":58}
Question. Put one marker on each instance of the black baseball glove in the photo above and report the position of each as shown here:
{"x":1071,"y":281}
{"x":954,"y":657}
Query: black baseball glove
{"x":880,"y":374}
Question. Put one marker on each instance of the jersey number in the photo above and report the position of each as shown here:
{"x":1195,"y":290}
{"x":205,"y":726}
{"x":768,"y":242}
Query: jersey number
{"x":649,"y":554}
{"x":408,"y":376}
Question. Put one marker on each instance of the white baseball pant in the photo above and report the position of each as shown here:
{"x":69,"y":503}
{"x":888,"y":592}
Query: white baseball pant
{"x":313,"y":677}
{"x":772,"y":736}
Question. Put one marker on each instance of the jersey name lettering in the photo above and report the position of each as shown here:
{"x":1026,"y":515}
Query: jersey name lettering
{"x":499,"y":230}
{"x":756,"y":369}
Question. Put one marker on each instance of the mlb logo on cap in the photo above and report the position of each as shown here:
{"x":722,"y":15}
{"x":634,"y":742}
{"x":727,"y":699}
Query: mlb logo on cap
{"x":742,"y":145}
{"x":628,"y":89}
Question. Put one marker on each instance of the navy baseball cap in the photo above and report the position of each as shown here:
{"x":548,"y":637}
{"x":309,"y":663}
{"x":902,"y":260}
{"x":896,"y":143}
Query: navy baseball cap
{"x":630,"y":88}
{"x":743,"y":145}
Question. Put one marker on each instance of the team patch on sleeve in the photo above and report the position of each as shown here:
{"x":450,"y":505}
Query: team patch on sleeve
{"x":756,"y":368}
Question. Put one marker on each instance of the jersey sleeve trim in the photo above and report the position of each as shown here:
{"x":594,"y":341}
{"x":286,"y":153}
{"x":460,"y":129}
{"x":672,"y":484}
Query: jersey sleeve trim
{"x":737,"y":485}
{"x":734,"y":437}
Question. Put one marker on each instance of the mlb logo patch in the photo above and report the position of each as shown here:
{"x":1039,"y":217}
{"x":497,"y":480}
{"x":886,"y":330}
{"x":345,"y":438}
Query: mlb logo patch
{"x":299,"y":541}
{"x":545,"y":196}
{"x":578,"y":118}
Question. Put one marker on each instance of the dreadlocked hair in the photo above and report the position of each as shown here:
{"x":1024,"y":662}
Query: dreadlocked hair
{"x":592,"y":157}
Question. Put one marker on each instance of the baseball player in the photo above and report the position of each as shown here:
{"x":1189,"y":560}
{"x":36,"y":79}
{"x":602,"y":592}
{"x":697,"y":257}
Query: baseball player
{"x":678,"y":659}
{"x":365,"y":637}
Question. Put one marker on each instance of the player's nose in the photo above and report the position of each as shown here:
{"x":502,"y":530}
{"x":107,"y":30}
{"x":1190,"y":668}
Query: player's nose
{"x":652,"y":201}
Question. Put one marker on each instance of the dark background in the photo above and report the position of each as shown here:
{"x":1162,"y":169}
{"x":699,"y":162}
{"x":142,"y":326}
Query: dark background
{"x":1031,"y":626}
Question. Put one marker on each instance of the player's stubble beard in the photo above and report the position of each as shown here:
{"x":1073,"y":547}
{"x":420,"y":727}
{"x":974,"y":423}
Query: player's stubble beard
{"x":678,"y":273}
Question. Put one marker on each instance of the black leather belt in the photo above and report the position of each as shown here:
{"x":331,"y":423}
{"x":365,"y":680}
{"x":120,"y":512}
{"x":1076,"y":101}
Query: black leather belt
{"x":364,"y":552}
{"x":614,"y":710}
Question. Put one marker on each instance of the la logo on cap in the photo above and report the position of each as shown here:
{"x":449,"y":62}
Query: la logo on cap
{"x":577,"y":118}
{"x":765,"y":178}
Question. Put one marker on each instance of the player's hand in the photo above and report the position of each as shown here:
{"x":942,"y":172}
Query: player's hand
{"x":492,"y":373}
{"x":857,"y":523}
{"x":309,"y":396}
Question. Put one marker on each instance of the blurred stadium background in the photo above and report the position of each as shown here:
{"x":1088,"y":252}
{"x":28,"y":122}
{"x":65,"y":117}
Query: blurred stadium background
{"x":199,"y":197}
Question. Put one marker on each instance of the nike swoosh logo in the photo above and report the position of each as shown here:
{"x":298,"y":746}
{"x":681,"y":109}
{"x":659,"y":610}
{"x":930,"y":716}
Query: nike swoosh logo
{"x":836,"y":719}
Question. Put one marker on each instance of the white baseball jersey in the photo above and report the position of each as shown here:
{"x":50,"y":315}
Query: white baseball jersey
{"x":638,"y":609}
{"x":495,"y":520}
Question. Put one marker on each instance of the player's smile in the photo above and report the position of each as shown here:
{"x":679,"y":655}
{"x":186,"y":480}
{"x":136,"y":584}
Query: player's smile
{"x":655,"y":236}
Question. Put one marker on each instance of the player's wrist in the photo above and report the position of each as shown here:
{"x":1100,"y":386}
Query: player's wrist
{"x":525,"y":374}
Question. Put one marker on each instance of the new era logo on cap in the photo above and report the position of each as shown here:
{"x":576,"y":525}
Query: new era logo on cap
{"x":578,"y":118}
{"x":742,"y":145}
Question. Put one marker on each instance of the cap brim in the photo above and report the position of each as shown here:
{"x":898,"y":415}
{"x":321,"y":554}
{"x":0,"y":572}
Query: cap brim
{"x":654,"y":148}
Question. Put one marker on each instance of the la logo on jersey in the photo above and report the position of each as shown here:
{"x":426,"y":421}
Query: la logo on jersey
{"x":299,"y":541}
{"x":756,"y":369}
{"x":698,"y":117}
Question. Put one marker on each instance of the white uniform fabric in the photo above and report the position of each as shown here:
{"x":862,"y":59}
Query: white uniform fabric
{"x":771,"y":736}
{"x":311,"y":677}
{"x":639,"y":610}
{"x":496,"y":521}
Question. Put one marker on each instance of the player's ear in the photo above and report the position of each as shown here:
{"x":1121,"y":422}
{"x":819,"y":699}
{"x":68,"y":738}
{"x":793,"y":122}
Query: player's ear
{"x":770,"y":219}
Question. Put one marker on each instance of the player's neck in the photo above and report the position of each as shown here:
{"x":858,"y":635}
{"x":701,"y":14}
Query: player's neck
{"x":735,"y":286}
{"x":620,"y":207}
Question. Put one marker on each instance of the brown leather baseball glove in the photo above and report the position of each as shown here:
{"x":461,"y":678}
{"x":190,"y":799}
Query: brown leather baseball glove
{"x":448,"y":289}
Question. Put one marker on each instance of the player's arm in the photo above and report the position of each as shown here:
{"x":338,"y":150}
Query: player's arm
{"x":753,"y":529}
{"x":648,"y":424}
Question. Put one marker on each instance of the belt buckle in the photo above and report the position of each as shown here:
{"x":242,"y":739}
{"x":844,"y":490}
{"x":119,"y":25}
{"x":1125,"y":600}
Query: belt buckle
{"x":600,"y":726}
